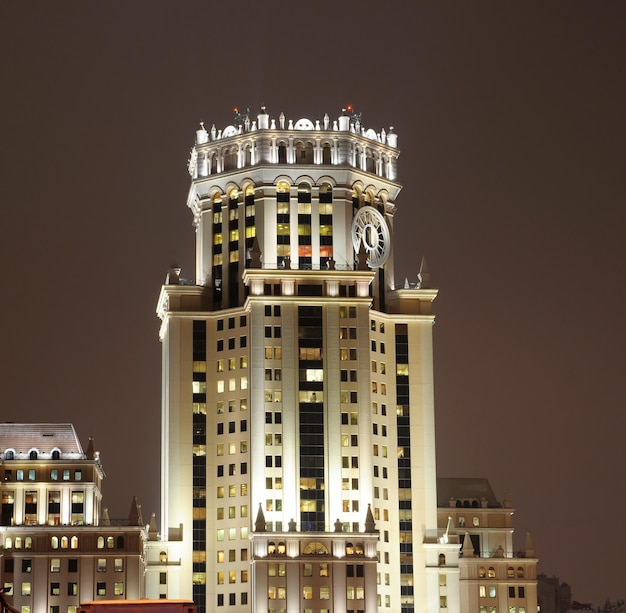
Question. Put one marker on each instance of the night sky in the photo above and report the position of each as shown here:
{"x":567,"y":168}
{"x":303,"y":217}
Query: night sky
{"x":510,"y":118}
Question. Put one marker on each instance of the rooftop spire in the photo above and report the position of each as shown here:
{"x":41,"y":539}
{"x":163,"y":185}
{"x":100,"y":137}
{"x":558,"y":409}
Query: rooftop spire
{"x":370,"y":525}
{"x":468,"y":547}
{"x":259,"y":524}
{"x":134,"y":516}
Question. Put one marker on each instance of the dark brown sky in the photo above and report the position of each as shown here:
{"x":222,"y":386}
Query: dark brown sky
{"x":511,"y":124}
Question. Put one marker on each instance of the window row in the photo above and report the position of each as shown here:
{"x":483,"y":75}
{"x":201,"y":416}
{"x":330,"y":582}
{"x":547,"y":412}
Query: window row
{"x":243,"y":342}
{"x":232,"y":599}
{"x":381,"y":346}
{"x":232,"y":448}
{"x":232,"y":490}
{"x":33,"y":474}
{"x":491,"y":571}
{"x":33,"y":454}
{"x":221,"y":387}
{"x":232,"y":469}
{"x":232,"y":534}
{"x":231,"y":364}
{"x":232,"y":577}
{"x":243,"y":320}
{"x":243,"y":427}
{"x":232,"y":555}
{"x":231,"y":512}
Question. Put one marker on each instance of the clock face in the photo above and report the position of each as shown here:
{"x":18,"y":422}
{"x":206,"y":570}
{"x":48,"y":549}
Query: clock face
{"x":369,"y":227}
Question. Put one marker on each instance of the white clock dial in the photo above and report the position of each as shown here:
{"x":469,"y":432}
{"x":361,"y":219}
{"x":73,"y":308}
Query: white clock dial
{"x":369,"y":227}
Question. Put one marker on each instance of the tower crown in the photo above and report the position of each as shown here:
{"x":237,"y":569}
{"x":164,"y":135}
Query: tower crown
{"x":265,"y":140}
{"x":274,"y":193}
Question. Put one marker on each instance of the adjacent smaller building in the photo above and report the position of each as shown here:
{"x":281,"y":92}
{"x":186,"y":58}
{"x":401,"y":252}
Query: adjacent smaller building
{"x":492,"y":577}
{"x":53,"y":530}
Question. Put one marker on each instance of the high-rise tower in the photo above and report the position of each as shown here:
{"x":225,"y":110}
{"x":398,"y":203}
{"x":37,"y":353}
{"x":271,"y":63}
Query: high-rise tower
{"x":298,"y":442}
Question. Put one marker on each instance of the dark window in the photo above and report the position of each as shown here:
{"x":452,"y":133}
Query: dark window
{"x":72,"y":565}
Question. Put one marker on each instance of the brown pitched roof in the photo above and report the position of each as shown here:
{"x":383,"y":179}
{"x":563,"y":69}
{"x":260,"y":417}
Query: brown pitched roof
{"x":45,"y":437}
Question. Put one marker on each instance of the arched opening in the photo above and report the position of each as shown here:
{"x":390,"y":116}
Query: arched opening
{"x":163,"y":557}
{"x":9,"y":454}
{"x":230,"y":160}
{"x":33,"y":454}
{"x":56,"y":454}
{"x":442,"y":559}
{"x":282,"y":154}
{"x":74,"y":542}
{"x":491,"y":573}
{"x":326,"y":154}
{"x":520,"y":572}
{"x":100,"y":542}
{"x":304,"y":153}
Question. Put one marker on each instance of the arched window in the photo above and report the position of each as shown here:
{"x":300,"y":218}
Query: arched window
{"x":100,"y":544}
{"x":349,"y":549}
{"x":475,"y":521}
{"x":474,"y":504}
{"x":33,"y":454}
{"x":110,"y":542}
{"x":282,"y":154}
{"x":482,"y":573}
{"x":370,"y":163}
{"x":281,"y":549}
{"x":510,"y":572}
{"x":28,"y":542}
{"x":304,"y":153}
{"x":56,"y":454}
{"x":54,"y":542}
{"x":271,"y":548}
{"x":520,"y":572}
{"x":315,"y":548}
{"x":8,"y":543}
{"x":9,"y":454}
{"x":18,"y":542}
{"x":491,"y":573}
{"x":120,"y":542}
{"x":442,"y":559}
{"x":326,"y":193}
{"x":466,"y":504}
{"x":358,"y":549}
{"x":163,"y":557}
{"x":74,"y":542}
{"x":230,"y":160}
{"x":326,"y":154}
{"x":65,"y":542}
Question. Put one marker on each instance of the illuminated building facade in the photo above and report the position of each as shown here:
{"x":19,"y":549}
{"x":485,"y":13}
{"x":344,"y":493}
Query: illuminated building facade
{"x":492,"y":577}
{"x":298,"y":441}
{"x":58,"y":548}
